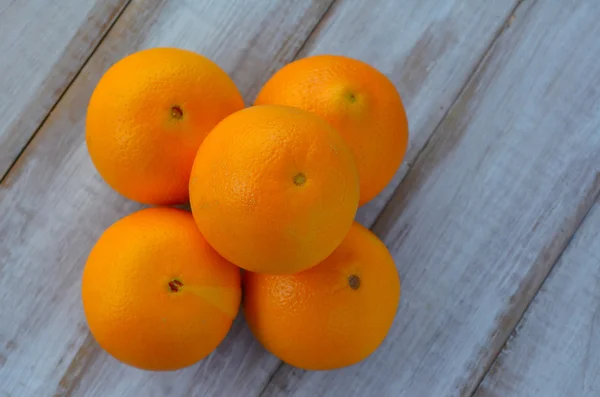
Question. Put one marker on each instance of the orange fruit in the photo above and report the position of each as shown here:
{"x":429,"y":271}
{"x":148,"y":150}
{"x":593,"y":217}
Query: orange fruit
{"x":355,"y":98}
{"x":332,"y":315}
{"x":274,"y":189}
{"x":156,"y":296}
{"x":147,"y":117}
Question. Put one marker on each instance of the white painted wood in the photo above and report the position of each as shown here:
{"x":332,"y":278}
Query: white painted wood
{"x":55,"y":206}
{"x":482,"y":222}
{"x":43,"y":44}
{"x":486,"y":210}
{"x":555,"y":350}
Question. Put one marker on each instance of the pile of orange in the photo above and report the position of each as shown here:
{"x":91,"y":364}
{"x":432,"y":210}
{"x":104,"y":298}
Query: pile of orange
{"x":273,"y":190}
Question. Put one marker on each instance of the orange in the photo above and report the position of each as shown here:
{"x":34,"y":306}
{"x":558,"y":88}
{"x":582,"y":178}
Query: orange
{"x":332,"y":315}
{"x":274,"y":189}
{"x":355,"y":98}
{"x":148,"y":116}
{"x":156,"y":296}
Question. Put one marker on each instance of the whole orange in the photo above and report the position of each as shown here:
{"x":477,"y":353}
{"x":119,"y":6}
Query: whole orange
{"x":332,"y":315}
{"x":355,"y":98}
{"x":156,"y":296}
{"x":148,"y":116}
{"x":274,"y":189}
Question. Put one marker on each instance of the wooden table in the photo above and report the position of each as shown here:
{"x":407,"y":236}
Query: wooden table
{"x":493,"y":220}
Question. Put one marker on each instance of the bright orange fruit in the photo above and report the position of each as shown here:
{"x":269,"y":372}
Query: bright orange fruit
{"x":355,"y":98}
{"x":148,"y":116}
{"x":332,"y":315}
{"x":274,"y":189}
{"x":156,"y":296}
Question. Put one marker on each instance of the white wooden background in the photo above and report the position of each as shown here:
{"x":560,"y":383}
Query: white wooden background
{"x":503,"y":99}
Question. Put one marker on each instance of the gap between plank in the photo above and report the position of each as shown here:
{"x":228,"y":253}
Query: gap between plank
{"x":62,"y":94}
{"x":587,"y":209}
{"x":309,"y":38}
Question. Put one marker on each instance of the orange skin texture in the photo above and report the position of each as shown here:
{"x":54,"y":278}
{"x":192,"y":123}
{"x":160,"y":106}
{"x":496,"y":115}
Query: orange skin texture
{"x":315,"y":320}
{"x":147,"y":117}
{"x":130,"y":308}
{"x":274,"y":189}
{"x":356,"y":99}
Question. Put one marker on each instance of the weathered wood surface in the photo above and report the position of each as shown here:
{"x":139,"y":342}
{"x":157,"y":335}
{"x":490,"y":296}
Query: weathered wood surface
{"x":475,"y":227}
{"x":555,"y":350}
{"x":486,"y":210}
{"x":54,"y":207}
{"x":43,"y":45}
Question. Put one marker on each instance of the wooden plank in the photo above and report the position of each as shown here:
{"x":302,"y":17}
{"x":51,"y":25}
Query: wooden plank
{"x":486,"y":210}
{"x":555,"y":350}
{"x":43,"y":45}
{"x":55,"y":206}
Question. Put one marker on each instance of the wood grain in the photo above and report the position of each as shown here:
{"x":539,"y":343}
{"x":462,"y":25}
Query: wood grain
{"x":475,"y":227}
{"x":486,"y":210}
{"x":55,"y":206}
{"x":555,"y":350}
{"x":43,"y":45}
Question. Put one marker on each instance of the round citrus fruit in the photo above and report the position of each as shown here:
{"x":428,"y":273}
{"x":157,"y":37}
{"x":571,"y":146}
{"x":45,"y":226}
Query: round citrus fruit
{"x":147,"y":117}
{"x":332,"y":315}
{"x":355,"y":98}
{"x":274,"y":189}
{"x":156,"y":296}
